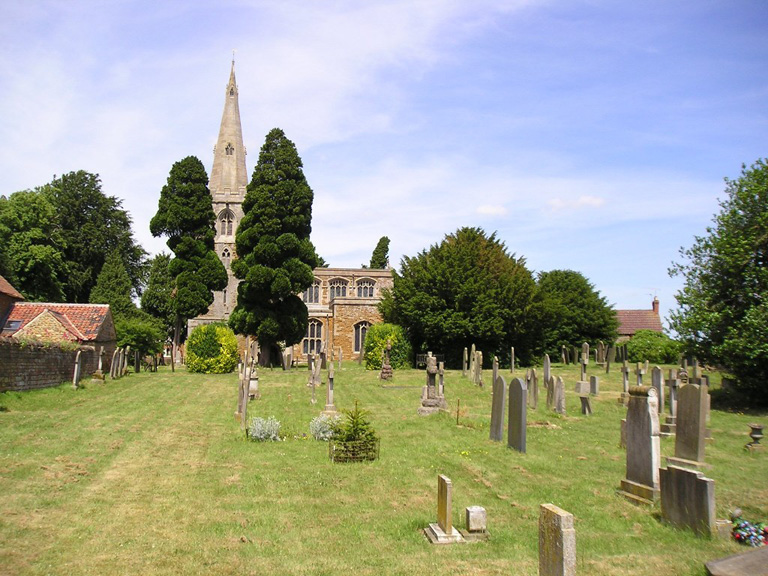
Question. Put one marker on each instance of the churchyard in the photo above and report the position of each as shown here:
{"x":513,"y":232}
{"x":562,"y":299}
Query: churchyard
{"x":151,"y":474}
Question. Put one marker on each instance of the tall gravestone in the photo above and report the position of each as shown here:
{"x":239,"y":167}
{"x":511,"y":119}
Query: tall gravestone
{"x":386,"y":366}
{"x":688,"y":500}
{"x":533,"y":390}
{"x":517,"y":418}
{"x":472,"y":358}
{"x":547,"y":369}
{"x":113,"y":364}
{"x":78,"y":370}
{"x":431,"y":400}
{"x":641,"y":485}
{"x":550,"y":384}
{"x":495,"y":368}
{"x":443,"y":532}
{"x":330,"y":408}
{"x":624,"y":398}
{"x":690,"y":433}
{"x":557,"y":542}
{"x":464,"y":360}
{"x":669,"y":426}
{"x":559,"y":396}
{"x":563,"y":354}
{"x":594,"y":385}
{"x":657,"y":381}
{"x":498,"y":403}
{"x":441,"y":379}
{"x":512,"y":360}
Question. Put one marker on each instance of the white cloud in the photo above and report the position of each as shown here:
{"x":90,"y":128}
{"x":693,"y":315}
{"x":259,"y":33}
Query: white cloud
{"x":491,"y":210}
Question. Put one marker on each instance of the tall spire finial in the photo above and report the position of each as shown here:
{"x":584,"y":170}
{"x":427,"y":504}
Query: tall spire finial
{"x":233,"y":57}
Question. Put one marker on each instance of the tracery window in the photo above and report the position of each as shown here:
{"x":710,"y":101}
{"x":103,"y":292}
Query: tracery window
{"x":361,"y":329}
{"x":337,"y":288}
{"x":226,"y":222}
{"x":312,"y":294}
{"x":314,"y":337}
{"x":365,"y":288}
{"x":226,"y":257}
{"x":229,"y":149}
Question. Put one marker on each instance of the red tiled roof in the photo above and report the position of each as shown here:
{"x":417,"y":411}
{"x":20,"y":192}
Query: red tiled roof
{"x":6,"y":288}
{"x":630,"y":321}
{"x":85,"y":319}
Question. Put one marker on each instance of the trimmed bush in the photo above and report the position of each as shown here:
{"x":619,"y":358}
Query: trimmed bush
{"x":655,"y":347}
{"x":376,"y":340}
{"x":212,"y":349}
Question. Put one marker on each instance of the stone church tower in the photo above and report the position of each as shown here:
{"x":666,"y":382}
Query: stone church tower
{"x":227,"y":184}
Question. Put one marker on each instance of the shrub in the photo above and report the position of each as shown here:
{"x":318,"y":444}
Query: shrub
{"x":262,"y":430}
{"x":376,"y":340}
{"x":212,"y":349}
{"x":653,"y":346}
{"x":354,"y":439}
{"x":322,"y":426}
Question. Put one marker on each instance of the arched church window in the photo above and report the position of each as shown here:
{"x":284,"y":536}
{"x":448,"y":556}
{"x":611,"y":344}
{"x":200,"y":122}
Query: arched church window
{"x":226,"y":222}
{"x":225,"y":258}
{"x":337,"y":288}
{"x":365,"y":288}
{"x":361,"y":329}
{"x":229,"y":149}
{"x":231,"y":91}
{"x":312,"y":294}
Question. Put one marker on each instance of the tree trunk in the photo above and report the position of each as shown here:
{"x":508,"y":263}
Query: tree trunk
{"x":176,"y":338}
{"x":265,"y":355}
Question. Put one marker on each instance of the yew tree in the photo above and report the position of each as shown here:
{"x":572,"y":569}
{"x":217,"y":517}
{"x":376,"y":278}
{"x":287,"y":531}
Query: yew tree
{"x":185,"y":215}
{"x":275,"y":255}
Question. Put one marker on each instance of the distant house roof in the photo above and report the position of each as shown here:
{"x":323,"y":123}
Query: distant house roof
{"x":630,"y":321}
{"x":8,"y":290}
{"x":81,"y":322}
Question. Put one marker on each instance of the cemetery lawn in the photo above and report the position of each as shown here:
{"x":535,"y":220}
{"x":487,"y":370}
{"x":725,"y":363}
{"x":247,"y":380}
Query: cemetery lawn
{"x":151,"y":474}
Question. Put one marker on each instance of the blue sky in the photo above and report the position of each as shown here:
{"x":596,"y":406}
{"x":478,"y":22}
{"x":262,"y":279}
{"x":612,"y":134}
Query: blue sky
{"x":590,"y":135}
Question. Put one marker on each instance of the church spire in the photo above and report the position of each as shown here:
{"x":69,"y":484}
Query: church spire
{"x":228,"y":175}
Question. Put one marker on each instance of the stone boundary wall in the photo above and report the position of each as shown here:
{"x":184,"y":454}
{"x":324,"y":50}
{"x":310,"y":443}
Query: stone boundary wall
{"x":33,"y":366}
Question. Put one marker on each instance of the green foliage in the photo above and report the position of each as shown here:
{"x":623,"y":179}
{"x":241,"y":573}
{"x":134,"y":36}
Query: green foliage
{"x":321,"y":427}
{"x":275,"y":254}
{"x":185,"y":215}
{"x":157,"y":298}
{"x":466,"y":290}
{"x":380,"y":256}
{"x":92,"y":225}
{"x":212,"y":349}
{"x":723,"y":307}
{"x":572,"y":311}
{"x":656,"y":347}
{"x":262,"y":430}
{"x":376,"y":341}
{"x":113,"y":287}
{"x":354,"y":427}
{"x":32,"y":246}
{"x":141,"y":332}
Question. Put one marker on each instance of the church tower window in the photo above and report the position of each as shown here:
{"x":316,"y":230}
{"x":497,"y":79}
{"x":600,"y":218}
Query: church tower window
{"x":226,"y":222}
{"x":226,"y":257}
{"x":229,"y":149}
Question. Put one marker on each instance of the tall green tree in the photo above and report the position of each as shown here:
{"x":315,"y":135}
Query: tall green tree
{"x":157,"y":297}
{"x":134,"y":327}
{"x":467,"y":289}
{"x":573,"y":311}
{"x":722,"y":314}
{"x":275,"y":256}
{"x":380,"y":256}
{"x":92,"y":225}
{"x":185,"y":215}
{"x":32,"y":246}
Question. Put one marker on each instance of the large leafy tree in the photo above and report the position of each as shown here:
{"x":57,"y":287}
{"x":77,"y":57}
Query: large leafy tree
{"x":92,"y":225}
{"x":380,"y":256}
{"x":157,"y":297}
{"x":467,"y":289}
{"x":573,"y":311}
{"x":185,"y":215}
{"x":723,"y":306}
{"x":275,"y":256}
{"x":134,"y":327}
{"x":32,"y":246}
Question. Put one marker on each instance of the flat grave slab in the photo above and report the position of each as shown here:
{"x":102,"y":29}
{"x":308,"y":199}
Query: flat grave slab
{"x":752,"y":563}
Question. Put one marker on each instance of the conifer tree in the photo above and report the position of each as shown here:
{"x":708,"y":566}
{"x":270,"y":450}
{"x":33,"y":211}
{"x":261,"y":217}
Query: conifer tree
{"x":185,"y":215}
{"x":380,"y":256}
{"x":275,"y":256}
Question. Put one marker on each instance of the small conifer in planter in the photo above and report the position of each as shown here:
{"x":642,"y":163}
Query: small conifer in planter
{"x":354,"y":439}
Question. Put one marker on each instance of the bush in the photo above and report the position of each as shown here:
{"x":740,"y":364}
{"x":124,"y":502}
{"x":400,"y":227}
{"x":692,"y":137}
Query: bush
{"x":354,"y":439}
{"x":655,"y":347}
{"x":376,"y":340}
{"x":322,"y":426}
{"x":262,"y":430}
{"x":212,"y":349}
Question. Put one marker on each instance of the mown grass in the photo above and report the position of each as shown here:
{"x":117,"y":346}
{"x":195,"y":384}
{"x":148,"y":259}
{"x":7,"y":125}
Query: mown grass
{"x":151,"y":475}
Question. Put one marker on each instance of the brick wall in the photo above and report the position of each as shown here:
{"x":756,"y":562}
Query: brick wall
{"x":31,"y":366}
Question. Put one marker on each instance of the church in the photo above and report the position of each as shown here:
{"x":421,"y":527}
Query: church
{"x":342,"y":302}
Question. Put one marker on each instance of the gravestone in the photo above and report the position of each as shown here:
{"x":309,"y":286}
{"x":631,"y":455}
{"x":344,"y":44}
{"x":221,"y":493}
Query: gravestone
{"x":441,"y":379}
{"x":77,"y":371}
{"x":136,"y":362}
{"x":518,"y":412}
{"x":317,"y":379}
{"x":624,"y":398}
{"x":670,"y":424}
{"x":585,"y":353}
{"x":253,"y":384}
{"x":341,"y":356}
{"x":323,"y":357}
{"x":586,"y":405}
{"x":557,"y":542}
{"x":512,"y":360}
{"x":472,"y":358}
{"x":431,"y":400}
{"x":550,"y":384}
{"x":498,"y":404}
{"x":443,"y":532}
{"x":559,"y":396}
{"x":98,"y":376}
{"x":547,"y":369}
{"x":114,"y":364}
{"x":533,"y":390}
{"x":641,"y":486}
{"x":690,"y":433}
{"x":584,"y":362}
{"x":464,"y":360}
{"x":574,"y":355}
{"x":563,"y":355}
{"x":657,"y":381}
{"x":476,"y":520}
{"x":594,"y":385}
{"x":386,"y":367}
{"x":639,"y":373}
{"x":330,"y":408}
{"x":121,"y":363}
{"x":495,"y":368}
{"x":645,"y":367}
{"x":688,"y":500}
{"x":479,"y":369}
{"x":581,"y":387}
